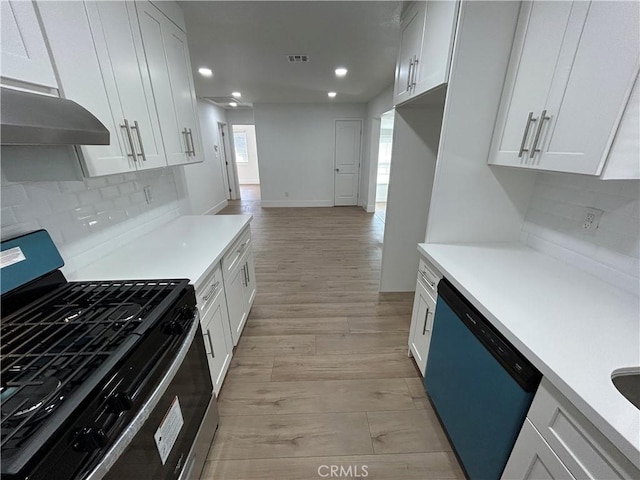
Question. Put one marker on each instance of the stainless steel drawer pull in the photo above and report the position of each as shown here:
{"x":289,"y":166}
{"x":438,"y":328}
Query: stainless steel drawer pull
{"x":136,"y":127}
{"x":211,"y":291}
{"x":208,"y":335}
{"x":242,"y":245}
{"x":424,"y":327}
{"x":415,"y":71}
{"x":185,"y":132}
{"x":426,"y":279}
{"x":409,"y":73}
{"x":127,"y":129}
{"x":534,"y":149}
{"x":193,"y":145}
{"x":530,"y":120}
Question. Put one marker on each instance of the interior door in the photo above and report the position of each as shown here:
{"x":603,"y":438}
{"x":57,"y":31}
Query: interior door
{"x":348,"y":139}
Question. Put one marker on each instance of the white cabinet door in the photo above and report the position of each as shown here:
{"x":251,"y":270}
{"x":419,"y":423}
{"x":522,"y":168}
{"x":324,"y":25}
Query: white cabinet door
{"x":536,"y":48}
{"x":410,"y":44}
{"x":250,"y":283}
{"x":234,"y":286}
{"x":169,"y":67}
{"x":117,"y":43}
{"x":533,"y":459}
{"x":70,"y":39}
{"x":590,"y":89}
{"x":432,"y":69}
{"x":421,"y":325}
{"x":154,"y":28}
{"x":570,"y":75}
{"x":218,"y":352}
{"x":24,"y":52}
{"x":183,"y":89}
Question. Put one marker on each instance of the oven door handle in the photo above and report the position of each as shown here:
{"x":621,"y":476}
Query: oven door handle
{"x":141,"y":417}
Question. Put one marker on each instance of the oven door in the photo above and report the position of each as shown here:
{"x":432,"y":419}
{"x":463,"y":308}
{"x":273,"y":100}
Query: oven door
{"x":170,"y":437}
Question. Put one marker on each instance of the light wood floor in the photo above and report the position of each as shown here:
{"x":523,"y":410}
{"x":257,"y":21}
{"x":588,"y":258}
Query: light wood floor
{"x":321,"y":376}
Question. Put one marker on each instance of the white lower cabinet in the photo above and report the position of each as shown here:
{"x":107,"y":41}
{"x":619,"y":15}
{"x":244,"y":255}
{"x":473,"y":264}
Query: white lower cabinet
{"x":424,"y":306}
{"x":214,"y":320}
{"x":559,"y":442}
{"x":239,"y":282}
{"x":533,"y":459}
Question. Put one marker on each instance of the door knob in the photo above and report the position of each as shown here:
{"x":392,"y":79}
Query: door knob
{"x":337,"y":169}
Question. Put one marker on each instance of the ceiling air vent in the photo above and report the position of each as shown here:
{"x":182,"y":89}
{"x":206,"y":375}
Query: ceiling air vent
{"x":297,"y":58}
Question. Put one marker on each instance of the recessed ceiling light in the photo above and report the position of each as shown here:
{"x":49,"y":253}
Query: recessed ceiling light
{"x":233,"y":104}
{"x":236,"y":94}
{"x":205,"y":72}
{"x":332,"y":94}
{"x":341,"y":72}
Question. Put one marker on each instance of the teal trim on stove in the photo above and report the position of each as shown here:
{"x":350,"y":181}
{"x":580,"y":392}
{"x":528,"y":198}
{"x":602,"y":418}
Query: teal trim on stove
{"x":41,"y":255}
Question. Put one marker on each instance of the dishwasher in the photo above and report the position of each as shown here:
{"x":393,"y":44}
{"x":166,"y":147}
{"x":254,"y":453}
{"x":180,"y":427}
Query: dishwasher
{"x":481,"y":387}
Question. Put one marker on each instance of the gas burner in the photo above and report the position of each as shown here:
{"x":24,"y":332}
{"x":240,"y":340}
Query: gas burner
{"x":32,"y":401}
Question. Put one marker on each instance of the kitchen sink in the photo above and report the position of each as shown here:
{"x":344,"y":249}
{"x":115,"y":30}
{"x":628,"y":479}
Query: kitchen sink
{"x":628,"y":384}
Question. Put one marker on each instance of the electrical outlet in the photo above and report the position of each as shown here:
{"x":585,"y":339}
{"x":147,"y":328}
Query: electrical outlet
{"x":147,"y":193}
{"x":591,"y":220}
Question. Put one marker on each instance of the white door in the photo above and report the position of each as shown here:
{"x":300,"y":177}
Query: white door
{"x":216,"y":348}
{"x":348,"y":137}
{"x":410,"y":41}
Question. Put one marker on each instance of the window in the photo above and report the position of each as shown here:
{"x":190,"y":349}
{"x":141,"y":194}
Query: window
{"x":240,"y":142}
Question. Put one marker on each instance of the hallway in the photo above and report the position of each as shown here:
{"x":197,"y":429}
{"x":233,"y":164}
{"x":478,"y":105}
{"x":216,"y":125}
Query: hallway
{"x":321,"y":376}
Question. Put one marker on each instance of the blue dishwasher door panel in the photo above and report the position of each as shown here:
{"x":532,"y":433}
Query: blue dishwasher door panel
{"x":481,"y":406}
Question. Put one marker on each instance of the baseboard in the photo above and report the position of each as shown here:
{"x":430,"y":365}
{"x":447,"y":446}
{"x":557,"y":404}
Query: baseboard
{"x":216,"y":208}
{"x":371,"y":208}
{"x":296,"y":203}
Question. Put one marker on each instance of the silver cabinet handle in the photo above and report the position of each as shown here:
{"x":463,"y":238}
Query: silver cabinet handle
{"x":136,"y":127}
{"x":127,"y":128}
{"x":409,"y":73}
{"x":193,"y":145}
{"x":211,"y":291}
{"x":208,"y":335}
{"x":241,"y":247}
{"x":248,"y":278}
{"x":530,"y":120}
{"x":185,"y":132}
{"x":415,"y":71}
{"x":424,"y":277}
{"x":424,"y":327}
{"x":535,"y":149}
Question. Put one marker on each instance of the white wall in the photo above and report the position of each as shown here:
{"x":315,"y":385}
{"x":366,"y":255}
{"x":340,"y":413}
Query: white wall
{"x":553,"y":224}
{"x":295,"y":151}
{"x":91,"y":217}
{"x":248,"y":171}
{"x":471,"y":201}
{"x":204,"y":181}
{"x":375,"y":108}
{"x":240,"y":116}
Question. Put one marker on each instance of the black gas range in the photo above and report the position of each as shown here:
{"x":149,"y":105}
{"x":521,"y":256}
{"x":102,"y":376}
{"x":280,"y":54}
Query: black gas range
{"x":103,"y":379}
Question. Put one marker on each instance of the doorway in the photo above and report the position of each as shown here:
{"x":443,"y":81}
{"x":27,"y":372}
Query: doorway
{"x":384,"y":163}
{"x":246,"y":155}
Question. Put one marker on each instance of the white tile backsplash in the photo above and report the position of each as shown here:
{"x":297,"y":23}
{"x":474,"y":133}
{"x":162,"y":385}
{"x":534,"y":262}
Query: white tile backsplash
{"x":88,"y":219}
{"x":553,"y":224}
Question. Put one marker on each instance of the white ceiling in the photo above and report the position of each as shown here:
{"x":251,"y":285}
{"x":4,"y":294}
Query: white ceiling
{"x":245,"y":43}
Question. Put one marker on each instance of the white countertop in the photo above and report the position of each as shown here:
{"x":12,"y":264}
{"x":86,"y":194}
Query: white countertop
{"x":187,"y":247}
{"x":575,"y":328}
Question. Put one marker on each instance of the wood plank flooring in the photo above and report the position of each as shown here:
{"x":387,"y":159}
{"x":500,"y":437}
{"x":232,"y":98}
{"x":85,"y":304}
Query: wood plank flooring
{"x":320,"y":378}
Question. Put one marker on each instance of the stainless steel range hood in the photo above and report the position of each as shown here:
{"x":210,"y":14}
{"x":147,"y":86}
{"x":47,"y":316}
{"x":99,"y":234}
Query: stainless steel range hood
{"x":34,"y":119}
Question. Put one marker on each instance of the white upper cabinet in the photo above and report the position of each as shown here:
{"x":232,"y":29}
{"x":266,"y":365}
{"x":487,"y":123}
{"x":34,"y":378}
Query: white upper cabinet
{"x":24,"y":52}
{"x":169,"y":67}
{"x":571,"y":71}
{"x":97,"y":52}
{"x":427,"y":33}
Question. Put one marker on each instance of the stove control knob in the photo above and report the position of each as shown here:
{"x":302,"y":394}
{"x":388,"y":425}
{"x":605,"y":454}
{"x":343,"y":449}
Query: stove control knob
{"x":186,"y":313}
{"x":89,"y":439}
{"x":119,"y":402}
{"x":173,"y":328}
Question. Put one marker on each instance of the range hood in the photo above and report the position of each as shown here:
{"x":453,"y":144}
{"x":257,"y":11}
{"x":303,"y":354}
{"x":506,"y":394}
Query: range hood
{"x":34,"y":119}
